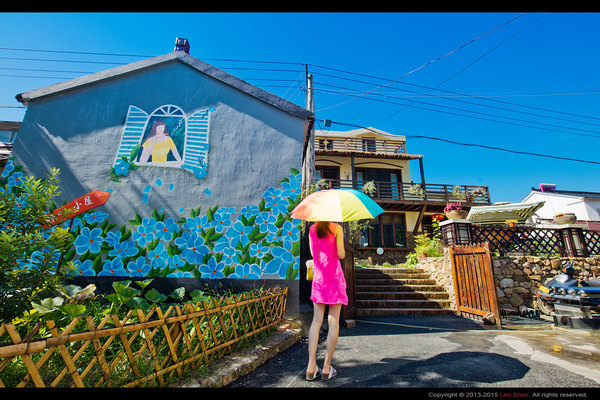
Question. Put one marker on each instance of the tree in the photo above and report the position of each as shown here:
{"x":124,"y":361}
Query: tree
{"x":29,"y":252}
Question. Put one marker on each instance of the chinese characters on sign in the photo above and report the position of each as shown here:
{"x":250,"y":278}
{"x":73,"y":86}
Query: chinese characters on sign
{"x":88,"y":201}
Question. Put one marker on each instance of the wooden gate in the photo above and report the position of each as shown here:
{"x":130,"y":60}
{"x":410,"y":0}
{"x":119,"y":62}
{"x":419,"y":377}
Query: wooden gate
{"x":474,"y":285}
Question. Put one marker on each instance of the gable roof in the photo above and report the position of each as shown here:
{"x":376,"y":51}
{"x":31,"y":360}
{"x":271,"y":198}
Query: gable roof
{"x":175,"y":56}
{"x":569,"y":193}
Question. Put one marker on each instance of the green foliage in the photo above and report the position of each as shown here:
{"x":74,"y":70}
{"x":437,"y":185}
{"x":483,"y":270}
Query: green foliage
{"x":424,"y":244}
{"x":28,"y":253}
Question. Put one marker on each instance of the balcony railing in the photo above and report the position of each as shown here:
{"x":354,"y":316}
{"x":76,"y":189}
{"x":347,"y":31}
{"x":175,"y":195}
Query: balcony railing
{"x":361,"y":145}
{"x":417,"y":191}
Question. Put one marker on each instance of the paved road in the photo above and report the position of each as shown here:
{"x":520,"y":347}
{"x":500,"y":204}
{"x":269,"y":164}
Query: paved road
{"x":445,"y":352}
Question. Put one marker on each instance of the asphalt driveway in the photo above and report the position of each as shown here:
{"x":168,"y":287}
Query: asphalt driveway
{"x":445,"y":352}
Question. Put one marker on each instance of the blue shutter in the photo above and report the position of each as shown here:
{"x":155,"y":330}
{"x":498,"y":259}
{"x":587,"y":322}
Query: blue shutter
{"x":132,"y":131}
{"x":195,"y":156}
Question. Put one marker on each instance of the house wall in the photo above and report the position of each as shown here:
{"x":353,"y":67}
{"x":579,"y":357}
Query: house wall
{"x":584,"y":209}
{"x":229,"y":216}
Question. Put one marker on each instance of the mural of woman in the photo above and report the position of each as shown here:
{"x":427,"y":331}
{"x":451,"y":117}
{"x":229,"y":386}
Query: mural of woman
{"x":159,"y":144}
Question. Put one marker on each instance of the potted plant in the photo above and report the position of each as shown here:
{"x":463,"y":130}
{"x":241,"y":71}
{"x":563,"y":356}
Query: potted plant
{"x":565,"y":218}
{"x":455,"y":211}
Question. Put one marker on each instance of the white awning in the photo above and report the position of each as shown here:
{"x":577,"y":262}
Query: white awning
{"x":498,"y":214}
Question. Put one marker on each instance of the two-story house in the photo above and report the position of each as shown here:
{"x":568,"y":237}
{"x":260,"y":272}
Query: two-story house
{"x":354,"y":158}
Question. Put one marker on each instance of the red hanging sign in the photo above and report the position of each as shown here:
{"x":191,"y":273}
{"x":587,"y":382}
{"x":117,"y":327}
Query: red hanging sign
{"x":88,"y":201}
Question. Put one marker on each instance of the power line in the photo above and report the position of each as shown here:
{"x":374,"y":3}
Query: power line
{"x":474,"y":145}
{"x":469,"y":116}
{"x":428,"y":63}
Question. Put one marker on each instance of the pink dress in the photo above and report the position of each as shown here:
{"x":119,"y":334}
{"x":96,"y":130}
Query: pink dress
{"x":328,"y":285}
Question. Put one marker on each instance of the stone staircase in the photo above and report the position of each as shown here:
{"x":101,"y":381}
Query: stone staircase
{"x":398,"y":291}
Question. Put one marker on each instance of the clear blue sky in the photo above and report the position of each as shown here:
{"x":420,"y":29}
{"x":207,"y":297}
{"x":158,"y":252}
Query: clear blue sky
{"x":531,"y":84}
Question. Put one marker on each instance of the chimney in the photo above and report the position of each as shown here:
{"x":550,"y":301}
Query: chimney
{"x":182,"y":44}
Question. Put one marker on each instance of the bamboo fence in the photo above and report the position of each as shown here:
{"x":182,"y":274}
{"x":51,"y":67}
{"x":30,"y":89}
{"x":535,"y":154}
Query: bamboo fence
{"x":144,"y":348}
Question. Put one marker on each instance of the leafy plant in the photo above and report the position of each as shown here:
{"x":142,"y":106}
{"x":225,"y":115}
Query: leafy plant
{"x":29,"y":253}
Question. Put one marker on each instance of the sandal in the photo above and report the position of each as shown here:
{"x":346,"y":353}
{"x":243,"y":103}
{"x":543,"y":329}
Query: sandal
{"x":331,"y":374}
{"x":313,"y":375}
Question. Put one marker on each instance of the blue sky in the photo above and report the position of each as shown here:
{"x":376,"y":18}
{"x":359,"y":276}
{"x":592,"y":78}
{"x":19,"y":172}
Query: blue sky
{"x":524,"y":82}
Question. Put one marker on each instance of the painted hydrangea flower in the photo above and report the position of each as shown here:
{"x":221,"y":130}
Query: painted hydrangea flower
{"x":249,"y":211}
{"x":193,"y":247}
{"x":266,"y":222}
{"x":113,"y":267}
{"x":238,"y":233}
{"x":165,"y":230}
{"x":212,"y":269}
{"x":83,"y":268}
{"x":8,"y":168}
{"x":290,"y":232}
{"x":180,"y":274}
{"x":231,"y":256}
{"x":158,"y":256}
{"x":283,"y":257}
{"x":175,"y":262}
{"x":271,"y":196}
{"x":88,"y":241}
{"x":112,"y":238}
{"x":197,"y":223}
{"x":121,"y":167}
{"x":246,"y":271}
{"x":15,"y":180}
{"x":145,"y":232}
{"x":292,"y":188}
{"x":123,"y":249}
{"x":139,"y":267}
{"x":258,"y":250}
{"x":221,"y":221}
{"x":96,"y":216}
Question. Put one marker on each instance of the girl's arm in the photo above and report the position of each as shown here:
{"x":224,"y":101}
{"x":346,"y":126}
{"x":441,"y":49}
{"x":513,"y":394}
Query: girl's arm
{"x":339,"y":239}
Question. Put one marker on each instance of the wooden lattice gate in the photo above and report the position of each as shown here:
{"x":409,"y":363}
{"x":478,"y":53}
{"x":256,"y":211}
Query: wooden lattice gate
{"x":474,"y":285}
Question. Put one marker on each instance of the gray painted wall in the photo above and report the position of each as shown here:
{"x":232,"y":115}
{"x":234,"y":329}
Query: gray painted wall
{"x":253,"y":145}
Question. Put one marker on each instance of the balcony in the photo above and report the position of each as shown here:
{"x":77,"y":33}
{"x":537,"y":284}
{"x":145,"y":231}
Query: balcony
{"x":331,"y":146}
{"x":411,"y":196}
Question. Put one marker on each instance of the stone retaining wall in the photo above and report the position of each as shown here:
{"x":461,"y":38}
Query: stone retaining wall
{"x":517,"y":277}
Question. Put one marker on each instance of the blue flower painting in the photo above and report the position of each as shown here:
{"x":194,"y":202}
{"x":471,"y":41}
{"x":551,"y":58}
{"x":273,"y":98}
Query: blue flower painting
{"x":258,"y":241}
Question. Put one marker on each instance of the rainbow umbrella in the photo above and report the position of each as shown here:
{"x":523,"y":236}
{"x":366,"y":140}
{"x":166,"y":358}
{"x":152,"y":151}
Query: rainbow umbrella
{"x":338,"y":205}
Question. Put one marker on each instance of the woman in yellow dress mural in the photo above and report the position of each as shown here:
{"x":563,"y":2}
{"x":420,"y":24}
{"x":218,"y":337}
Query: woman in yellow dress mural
{"x":159,"y":144}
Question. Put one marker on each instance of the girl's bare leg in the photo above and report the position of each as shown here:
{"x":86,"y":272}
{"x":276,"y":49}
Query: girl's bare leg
{"x":333,"y":322}
{"x":313,"y":336}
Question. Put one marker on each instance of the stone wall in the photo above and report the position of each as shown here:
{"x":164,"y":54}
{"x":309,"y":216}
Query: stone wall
{"x":440,"y":269}
{"x":517,"y":277}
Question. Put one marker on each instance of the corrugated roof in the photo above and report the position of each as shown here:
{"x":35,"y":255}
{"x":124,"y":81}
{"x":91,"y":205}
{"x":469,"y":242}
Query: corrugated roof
{"x":176,"y":56}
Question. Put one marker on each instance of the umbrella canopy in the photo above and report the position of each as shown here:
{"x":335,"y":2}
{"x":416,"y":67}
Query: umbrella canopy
{"x":337,"y":205}
{"x":498,"y":214}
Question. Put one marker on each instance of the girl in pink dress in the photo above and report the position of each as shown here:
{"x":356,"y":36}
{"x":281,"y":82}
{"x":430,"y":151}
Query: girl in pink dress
{"x":328,"y":289}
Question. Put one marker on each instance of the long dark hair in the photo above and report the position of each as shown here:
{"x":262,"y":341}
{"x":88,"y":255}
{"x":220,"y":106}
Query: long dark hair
{"x":322,"y":228}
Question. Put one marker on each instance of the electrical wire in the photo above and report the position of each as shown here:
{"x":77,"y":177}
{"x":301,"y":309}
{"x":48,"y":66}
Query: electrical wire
{"x":427,"y":63}
{"x":472,"y":144}
{"x":471,"y":116}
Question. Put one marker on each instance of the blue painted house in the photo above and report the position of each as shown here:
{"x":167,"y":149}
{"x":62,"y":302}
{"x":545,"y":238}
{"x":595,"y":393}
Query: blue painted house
{"x":202,"y":169}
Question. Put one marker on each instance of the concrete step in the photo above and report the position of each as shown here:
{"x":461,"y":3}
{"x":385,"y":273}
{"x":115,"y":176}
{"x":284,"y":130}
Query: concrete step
{"x":364,"y":312}
{"x":424,"y":295}
{"x":399,"y":291}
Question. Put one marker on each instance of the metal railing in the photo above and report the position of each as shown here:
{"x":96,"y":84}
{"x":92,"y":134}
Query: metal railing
{"x":416,"y":191}
{"x":360,"y":145}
